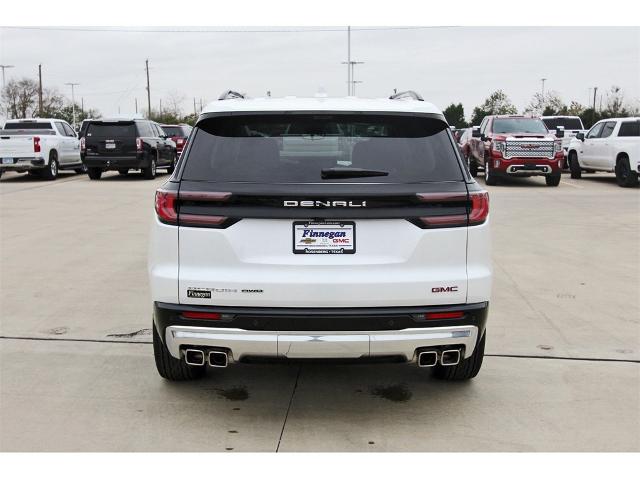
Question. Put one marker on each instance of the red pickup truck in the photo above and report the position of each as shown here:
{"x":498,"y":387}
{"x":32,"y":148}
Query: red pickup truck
{"x":513,"y":145}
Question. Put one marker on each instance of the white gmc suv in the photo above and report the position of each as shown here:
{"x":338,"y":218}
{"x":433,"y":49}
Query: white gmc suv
{"x":320,"y":228}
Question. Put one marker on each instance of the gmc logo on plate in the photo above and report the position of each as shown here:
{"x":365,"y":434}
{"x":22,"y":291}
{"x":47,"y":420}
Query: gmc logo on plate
{"x":444,"y":289}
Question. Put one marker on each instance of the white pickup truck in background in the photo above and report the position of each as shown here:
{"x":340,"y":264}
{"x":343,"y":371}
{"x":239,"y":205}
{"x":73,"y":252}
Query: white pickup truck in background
{"x":611,"y":145}
{"x":572,"y":125}
{"x":40,"y":146}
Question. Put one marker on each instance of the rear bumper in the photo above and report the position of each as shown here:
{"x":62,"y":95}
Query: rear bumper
{"x":115,"y":162}
{"x":23,"y":164}
{"x":300,"y":333}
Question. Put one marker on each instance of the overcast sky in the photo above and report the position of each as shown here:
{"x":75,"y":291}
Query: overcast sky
{"x":446,"y":64}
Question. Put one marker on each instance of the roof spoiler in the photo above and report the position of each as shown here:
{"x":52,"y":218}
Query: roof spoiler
{"x":406,"y":94}
{"x":230,"y":94}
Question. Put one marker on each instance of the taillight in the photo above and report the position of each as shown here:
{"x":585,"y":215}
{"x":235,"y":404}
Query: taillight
{"x":139,"y":145}
{"x":201,"y":315}
{"x":445,"y":200}
{"x":83,"y":145}
{"x":445,"y":315}
{"x":179,"y":141}
{"x":166,"y":207}
{"x":36,"y":144}
{"x":479,"y":207}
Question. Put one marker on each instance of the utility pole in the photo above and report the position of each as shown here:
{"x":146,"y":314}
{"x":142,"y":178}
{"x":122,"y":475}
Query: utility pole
{"x":82,"y":104}
{"x":4,"y":67}
{"x":160,"y":107}
{"x":348,"y":60}
{"x":136,"y":105}
{"x":73,"y":102}
{"x":595,"y":90}
{"x":146,"y":63}
{"x":195,"y":110}
{"x":543,"y":80}
{"x":40,"y":89}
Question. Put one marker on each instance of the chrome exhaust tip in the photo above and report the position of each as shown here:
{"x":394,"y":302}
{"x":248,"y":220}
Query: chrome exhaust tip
{"x":218,"y":359}
{"x":194,"y":357}
{"x":427,"y":359}
{"x":450,"y":357}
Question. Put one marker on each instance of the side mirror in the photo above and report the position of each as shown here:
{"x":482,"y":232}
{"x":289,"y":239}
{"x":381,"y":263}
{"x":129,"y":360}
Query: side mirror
{"x":475,"y":132}
{"x":580,"y":136}
{"x":560,"y":132}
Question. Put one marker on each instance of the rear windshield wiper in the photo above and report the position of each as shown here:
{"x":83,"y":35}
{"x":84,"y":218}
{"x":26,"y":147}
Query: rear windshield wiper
{"x":351,"y":173}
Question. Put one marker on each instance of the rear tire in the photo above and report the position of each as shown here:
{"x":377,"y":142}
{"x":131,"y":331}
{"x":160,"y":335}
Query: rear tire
{"x":149,"y":173}
{"x":625,"y":176}
{"x":464,"y":370}
{"x":171,"y":368}
{"x":473,"y":166}
{"x":94,"y":173}
{"x":50,"y":171}
{"x":574,"y":166}
{"x":553,"y":179}
{"x":172,"y":167}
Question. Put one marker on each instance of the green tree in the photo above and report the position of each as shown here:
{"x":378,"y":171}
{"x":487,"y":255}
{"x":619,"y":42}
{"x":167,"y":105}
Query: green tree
{"x":498,"y":103}
{"x":455,"y":115}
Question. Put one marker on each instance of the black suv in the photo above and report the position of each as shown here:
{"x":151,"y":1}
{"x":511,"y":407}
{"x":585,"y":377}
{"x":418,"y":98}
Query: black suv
{"x":124,"y":145}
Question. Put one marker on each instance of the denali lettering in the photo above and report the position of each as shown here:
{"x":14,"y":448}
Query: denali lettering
{"x":324,"y":204}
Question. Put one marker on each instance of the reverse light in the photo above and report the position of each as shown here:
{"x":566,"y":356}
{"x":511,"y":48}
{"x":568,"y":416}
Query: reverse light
{"x":201,"y":315}
{"x":36,"y":144}
{"x":166,"y":206}
{"x":139,"y":145}
{"x":479,"y":207}
{"x":83,"y":145}
{"x":445,"y":315}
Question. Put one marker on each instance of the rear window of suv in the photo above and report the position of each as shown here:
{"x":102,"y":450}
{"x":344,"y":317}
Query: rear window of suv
{"x":28,"y":125}
{"x":112,"y":130}
{"x":295,"y":148}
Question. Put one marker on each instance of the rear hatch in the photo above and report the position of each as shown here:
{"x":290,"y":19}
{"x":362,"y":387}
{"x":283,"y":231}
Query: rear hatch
{"x":374,"y":216}
{"x":111,"y":138}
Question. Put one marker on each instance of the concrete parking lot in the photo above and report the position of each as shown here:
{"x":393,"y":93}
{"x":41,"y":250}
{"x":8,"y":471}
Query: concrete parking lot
{"x":562,"y":371}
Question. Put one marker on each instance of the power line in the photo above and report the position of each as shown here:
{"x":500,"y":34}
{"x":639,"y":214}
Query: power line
{"x":291,"y":30}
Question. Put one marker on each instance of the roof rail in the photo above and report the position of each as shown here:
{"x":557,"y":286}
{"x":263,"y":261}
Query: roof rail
{"x":229,"y":94}
{"x":406,"y":94}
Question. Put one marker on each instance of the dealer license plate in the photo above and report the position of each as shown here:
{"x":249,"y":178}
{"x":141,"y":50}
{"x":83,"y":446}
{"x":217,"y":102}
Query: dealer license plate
{"x":324,"y":237}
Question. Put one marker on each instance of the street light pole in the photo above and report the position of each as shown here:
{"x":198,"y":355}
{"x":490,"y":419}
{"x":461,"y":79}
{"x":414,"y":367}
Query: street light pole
{"x":73,"y":101}
{"x":4,"y":67}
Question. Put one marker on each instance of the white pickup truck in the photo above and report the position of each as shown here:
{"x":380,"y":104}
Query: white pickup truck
{"x":611,"y":145}
{"x":40,"y":146}
{"x":571,"y":126}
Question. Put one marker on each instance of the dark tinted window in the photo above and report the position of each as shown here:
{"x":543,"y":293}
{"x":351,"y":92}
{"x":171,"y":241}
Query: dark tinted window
{"x":111,"y":130}
{"x":295,"y":148}
{"x":629,"y":128}
{"x":568,"y":123}
{"x":144,"y":129}
{"x":28,"y":125}
{"x":608,"y":129}
{"x":519,"y":125}
{"x":175,"y":131}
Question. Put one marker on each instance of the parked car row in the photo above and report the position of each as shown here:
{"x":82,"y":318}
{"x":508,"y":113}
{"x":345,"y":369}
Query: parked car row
{"x":44,"y":146}
{"x":517,"y":145}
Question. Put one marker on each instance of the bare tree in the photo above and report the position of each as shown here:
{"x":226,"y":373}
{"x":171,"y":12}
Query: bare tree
{"x":19,"y":98}
{"x":550,"y":104}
